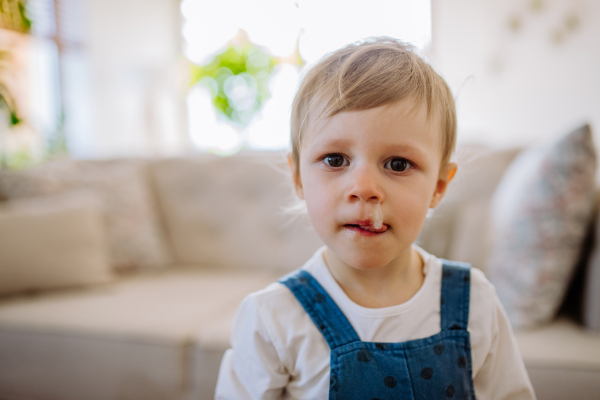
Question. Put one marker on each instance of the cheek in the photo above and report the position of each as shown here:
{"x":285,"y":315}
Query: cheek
{"x":412,"y":203}
{"x":321,"y":200}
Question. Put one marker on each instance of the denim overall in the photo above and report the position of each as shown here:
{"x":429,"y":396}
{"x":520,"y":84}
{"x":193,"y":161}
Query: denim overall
{"x":437,"y":367}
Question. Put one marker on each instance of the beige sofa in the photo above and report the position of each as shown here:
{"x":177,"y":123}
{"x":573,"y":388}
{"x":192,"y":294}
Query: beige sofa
{"x":160,"y":332}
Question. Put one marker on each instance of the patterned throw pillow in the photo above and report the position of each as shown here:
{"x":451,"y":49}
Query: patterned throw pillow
{"x":540,"y":212}
{"x":134,"y":235}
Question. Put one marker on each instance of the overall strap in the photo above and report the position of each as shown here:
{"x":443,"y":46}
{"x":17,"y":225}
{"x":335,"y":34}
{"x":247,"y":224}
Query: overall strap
{"x":454,"y":301}
{"x":326,"y":315}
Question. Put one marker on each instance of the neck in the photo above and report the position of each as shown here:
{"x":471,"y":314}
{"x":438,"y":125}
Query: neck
{"x":386,"y":286}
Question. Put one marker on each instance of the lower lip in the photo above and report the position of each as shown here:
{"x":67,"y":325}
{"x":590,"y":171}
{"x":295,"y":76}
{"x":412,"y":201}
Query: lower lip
{"x":363,"y":232}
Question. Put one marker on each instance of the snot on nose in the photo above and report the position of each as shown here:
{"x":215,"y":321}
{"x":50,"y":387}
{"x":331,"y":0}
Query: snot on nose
{"x":376,"y":215}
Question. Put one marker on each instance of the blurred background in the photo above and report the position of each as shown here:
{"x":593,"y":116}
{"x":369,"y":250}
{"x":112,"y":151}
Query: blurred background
{"x":107,"y":78}
{"x":123,"y":262}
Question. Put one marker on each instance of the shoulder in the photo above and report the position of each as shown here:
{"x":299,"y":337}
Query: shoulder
{"x":482,"y":293}
{"x":270,"y":303}
{"x":480,"y":282}
{"x":275,"y":290}
{"x":273,"y":317}
{"x":483,"y":302}
{"x":277,"y":311}
{"x":276,"y":305}
{"x":483,"y":297}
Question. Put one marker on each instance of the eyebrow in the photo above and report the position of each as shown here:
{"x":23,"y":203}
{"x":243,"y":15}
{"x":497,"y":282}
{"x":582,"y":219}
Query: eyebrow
{"x":401,"y":148}
{"x":338,"y":142}
{"x":411,"y":149}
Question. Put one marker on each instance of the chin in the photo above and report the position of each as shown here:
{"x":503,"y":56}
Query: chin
{"x":366,"y":262}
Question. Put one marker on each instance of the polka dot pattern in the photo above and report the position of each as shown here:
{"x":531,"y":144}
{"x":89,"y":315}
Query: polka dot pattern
{"x":435,"y":371}
{"x":390,"y":382}
{"x":382,"y":346}
{"x":363,"y":356}
{"x":430,"y":368}
{"x":427,"y":373}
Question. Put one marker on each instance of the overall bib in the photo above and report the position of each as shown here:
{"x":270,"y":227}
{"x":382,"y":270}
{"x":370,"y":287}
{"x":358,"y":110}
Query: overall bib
{"x":437,"y":367}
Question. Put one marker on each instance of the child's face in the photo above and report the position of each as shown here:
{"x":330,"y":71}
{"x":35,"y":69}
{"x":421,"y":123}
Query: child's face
{"x":389,"y":155}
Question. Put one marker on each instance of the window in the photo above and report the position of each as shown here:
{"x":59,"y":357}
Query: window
{"x":46,"y":76}
{"x":59,"y":75}
{"x":288,"y":30}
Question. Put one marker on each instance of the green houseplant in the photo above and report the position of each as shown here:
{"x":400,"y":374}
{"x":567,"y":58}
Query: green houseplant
{"x":13,"y":16}
{"x":237,"y":79}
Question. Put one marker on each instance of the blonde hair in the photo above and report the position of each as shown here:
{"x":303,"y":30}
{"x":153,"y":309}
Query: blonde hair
{"x":361,"y":76}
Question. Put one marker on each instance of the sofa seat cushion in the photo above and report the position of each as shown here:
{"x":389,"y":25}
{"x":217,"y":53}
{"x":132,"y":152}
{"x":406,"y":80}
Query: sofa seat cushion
{"x":562,"y":358}
{"x":210,"y":345}
{"x":216,"y":337}
{"x":137,"y":334}
{"x":153,"y":306}
{"x":561,"y":344}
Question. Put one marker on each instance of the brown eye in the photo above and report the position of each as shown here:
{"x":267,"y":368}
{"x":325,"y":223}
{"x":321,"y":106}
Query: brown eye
{"x":398,"y":164}
{"x":335,"y":160}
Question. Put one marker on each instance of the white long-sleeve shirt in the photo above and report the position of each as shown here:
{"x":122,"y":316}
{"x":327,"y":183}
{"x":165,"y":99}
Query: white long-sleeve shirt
{"x":278,"y":352}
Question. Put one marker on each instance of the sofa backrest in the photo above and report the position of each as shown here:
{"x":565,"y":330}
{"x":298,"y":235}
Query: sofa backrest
{"x":229,"y":212}
{"x":459,"y":228}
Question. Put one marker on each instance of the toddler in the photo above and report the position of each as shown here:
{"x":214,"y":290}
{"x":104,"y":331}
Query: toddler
{"x":371,"y":315}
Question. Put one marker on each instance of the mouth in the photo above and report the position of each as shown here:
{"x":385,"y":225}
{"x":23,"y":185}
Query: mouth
{"x":366,"y":228}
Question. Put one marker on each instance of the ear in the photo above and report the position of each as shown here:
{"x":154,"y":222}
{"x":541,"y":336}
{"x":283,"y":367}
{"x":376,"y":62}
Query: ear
{"x":296,"y":177}
{"x":444,"y":178}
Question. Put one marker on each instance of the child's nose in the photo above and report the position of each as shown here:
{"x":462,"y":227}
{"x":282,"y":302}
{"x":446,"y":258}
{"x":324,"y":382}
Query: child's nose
{"x":364,"y":186}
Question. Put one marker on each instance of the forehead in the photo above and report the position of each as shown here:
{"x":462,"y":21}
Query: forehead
{"x":403,"y":123}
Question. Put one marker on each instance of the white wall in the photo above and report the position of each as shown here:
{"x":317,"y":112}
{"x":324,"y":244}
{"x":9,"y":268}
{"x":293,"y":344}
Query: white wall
{"x":514,"y":87}
{"x":137,"y":75}
{"x":521,"y":85}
